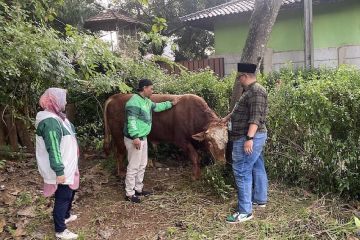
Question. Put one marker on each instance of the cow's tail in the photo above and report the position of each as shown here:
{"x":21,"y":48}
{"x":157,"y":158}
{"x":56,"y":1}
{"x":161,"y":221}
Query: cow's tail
{"x":107,"y":135}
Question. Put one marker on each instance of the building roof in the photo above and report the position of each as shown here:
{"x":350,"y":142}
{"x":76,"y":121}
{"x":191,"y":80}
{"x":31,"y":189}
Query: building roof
{"x":232,"y":7}
{"x":111,"y":20}
{"x":205,"y":18}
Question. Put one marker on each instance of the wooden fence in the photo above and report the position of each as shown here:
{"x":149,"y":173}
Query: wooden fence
{"x":215,"y":64}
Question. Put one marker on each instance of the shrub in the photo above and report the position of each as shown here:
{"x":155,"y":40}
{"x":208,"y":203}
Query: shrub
{"x":219,"y":179}
{"x":314,"y":129}
{"x":216,"y":92}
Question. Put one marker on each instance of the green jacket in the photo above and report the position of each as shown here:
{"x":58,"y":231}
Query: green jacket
{"x":138,"y":115}
{"x":56,"y":148}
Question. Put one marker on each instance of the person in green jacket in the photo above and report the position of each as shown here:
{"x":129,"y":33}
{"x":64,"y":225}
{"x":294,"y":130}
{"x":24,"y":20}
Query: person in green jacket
{"x":57,"y":156}
{"x":137,"y":126}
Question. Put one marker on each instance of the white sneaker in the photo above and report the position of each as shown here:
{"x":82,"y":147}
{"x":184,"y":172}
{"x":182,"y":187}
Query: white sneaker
{"x":70,"y":219}
{"x":66,"y":234}
{"x":239,"y":217}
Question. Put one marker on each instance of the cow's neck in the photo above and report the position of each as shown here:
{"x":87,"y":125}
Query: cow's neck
{"x":211,"y":117}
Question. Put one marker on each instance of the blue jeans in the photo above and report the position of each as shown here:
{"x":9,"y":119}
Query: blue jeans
{"x":250,"y":174}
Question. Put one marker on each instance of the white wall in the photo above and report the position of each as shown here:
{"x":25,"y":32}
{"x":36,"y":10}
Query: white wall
{"x":325,"y":57}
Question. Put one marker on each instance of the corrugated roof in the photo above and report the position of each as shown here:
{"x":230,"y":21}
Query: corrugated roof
{"x":233,"y":7}
{"x":110,"y":20}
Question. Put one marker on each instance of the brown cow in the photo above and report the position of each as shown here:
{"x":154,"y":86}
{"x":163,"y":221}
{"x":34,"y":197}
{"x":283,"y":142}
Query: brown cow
{"x":190,"y":119}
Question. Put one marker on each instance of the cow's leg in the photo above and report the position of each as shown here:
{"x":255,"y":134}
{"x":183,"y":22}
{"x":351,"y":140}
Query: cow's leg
{"x":156,"y":151}
{"x":151,"y":162}
{"x":194,"y":156}
{"x":120,"y":157}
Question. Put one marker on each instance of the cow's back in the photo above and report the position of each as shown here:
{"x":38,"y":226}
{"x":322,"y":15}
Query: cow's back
{"x":176,"y":125}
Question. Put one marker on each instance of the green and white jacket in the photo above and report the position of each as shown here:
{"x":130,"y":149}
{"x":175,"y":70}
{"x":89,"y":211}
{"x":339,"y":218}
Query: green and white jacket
{"x":139,"y":115}
{"x":56,"y":148}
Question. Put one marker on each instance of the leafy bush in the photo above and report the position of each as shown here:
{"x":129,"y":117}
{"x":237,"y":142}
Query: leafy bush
{"x":219,"y":179}
{"x":34,"y":57}
{"x":204,"y":83}
{"x":215,"y":91}
{"x":314,"y":129}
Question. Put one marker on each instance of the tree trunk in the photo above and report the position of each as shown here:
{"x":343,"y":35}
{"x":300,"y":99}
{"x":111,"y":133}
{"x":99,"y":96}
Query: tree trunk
{"x":2,"y":128}
{"x":12,"y":133}
{"x":71,"y":112}
{"x":2,"y":133}
{"x":24,"y":135}
{"x":261,"y":23}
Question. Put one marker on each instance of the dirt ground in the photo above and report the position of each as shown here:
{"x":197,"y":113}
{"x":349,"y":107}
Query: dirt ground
{"x":179,"y":208}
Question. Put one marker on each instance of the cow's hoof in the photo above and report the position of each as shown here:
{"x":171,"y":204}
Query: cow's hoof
{"x":195,"y":178}
{"x":150,"y":163}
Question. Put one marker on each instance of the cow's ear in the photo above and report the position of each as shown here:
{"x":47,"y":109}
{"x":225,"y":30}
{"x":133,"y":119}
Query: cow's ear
{"x":199,"y":136}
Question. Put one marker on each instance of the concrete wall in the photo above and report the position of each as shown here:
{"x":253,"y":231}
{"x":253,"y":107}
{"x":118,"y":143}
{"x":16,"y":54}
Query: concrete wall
{"x":335,"y":25}
{"x":287,"y":33}
{"x":324,"y":57}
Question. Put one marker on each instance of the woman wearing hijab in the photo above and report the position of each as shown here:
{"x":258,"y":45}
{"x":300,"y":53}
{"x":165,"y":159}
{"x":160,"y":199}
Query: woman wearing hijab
{"x":57,"y":158}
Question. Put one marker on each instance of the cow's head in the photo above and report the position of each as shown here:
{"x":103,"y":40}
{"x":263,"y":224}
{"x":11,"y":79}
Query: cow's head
{"x":216,"y":138}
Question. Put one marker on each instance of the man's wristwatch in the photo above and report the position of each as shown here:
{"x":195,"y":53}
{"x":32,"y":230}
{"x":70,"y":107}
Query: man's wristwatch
{"x":249,"y":138}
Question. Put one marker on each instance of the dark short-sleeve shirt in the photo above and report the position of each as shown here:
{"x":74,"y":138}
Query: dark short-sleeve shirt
{"x":252,"y":108}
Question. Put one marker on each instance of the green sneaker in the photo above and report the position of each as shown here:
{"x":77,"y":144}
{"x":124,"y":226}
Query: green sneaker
{"x":239,"y":217}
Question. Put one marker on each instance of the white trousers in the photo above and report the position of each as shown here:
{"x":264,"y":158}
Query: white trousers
{"x":137,"y":161}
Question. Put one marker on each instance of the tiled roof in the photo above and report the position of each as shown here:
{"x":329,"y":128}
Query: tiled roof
{"x":232,"y":7}
{"x":109,"y":20}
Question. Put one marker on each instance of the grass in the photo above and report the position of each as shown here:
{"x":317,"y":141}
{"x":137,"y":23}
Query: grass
{"x":2,"y":164}
{"x":24,"y":199}
{"x":183,"y":209}
{"x":290,"y":214}
{"x":110,"y":164}
{"x":42,"y":214}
